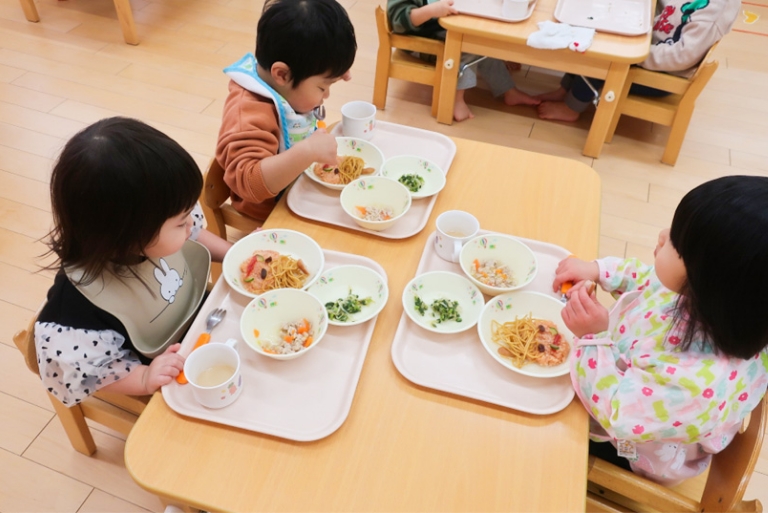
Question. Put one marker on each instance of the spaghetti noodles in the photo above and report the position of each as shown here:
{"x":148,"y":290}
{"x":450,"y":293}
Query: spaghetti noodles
{"x":269,"y":270}
{"x":530,"y":340}
{"x":347,"y":168}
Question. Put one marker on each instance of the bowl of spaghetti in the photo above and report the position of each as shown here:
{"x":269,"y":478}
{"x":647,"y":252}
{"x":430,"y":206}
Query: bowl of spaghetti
{"x":284,"y":324}
{"x":524,"y":332}
{"x":422,"y":177}
{"x":272,"y":259}
{"x":498,"y":263}
{"x":355,"y":158}
{"x":375,"y":202}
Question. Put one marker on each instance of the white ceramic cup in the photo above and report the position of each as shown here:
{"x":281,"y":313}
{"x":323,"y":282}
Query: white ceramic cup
{"x":454,"y":229}
{"x":215,"y":361}
{"x":358,"y":119}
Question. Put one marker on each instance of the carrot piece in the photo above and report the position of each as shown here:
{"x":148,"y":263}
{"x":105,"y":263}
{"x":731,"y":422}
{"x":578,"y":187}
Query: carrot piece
{"x":362,"y":210}
{"x":288,"y":338}
{"x":304,"y":327}
{"x":256,"y":333}
{"x":477,"y":264}
{"x":308,"y":342}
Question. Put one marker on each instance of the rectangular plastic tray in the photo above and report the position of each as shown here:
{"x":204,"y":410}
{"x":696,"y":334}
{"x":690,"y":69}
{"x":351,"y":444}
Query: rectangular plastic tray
{"x":313,"y":201}
{"x":625,"y":17}
{"x":459,"y":364}
{"x":490,"y":9}
{"x":303,"y":399}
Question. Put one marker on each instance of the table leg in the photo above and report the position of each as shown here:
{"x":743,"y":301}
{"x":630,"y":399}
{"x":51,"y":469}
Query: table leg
{"x":614,"y":83}
{"x":449,"y":76}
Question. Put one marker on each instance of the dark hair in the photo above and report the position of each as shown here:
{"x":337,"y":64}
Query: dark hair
{"x":114,"y":185}
{"x":312,"y":37}
{"x":720,"y":230}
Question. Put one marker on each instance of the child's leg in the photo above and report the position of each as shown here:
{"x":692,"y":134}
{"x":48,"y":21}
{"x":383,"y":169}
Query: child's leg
{"x":576,"y":101}
{"x":466,"y":81}
{"x":494,"y":71}
{"x":558,"y":94}
{"x":460,"y":108}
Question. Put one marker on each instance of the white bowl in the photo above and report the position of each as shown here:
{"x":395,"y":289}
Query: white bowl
{"x":436,"y":285}
{"x":375,"y":191}
{"x":350,"y":146}
{"x":505,"y":308}
{"x":270,"y":311}
{"x":338,"y":282}
{"x":505,"y":250}
{"x":433,"y":175}
{"x":286,"y":242}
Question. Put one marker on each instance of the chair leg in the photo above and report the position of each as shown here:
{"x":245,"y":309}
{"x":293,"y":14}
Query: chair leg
{"x":381,"y":79}
{"x":30,"y":11}
{"x":125,"y":16}
{"x":617,"y":115}
{"x":677,"y":134}
{"x":77,"y":430}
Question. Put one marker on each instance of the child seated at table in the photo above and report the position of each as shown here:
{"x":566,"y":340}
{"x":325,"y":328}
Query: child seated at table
{"x":683,"y":33}
{"x":420,"y":18}
{"x":268,"y":132}
{"x":669,"y":373}
{"x":132,"y":261}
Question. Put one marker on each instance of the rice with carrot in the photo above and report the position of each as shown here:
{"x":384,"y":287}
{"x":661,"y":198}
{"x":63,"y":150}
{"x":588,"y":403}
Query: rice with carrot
{"x":493,"y":274}
{"x":294,"y":337}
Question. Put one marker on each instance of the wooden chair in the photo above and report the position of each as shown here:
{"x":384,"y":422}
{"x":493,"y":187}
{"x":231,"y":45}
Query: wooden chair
{"x":674,"y":110}
{"x":394,"y":61}
{"x":115,"y":411}
{"x":124,"y":16}
{"x":613,"y":489}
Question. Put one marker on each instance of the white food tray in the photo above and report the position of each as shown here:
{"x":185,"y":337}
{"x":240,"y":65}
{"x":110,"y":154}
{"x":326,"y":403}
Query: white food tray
{"x":459,"y":364}
{"x":314,"y":201}
{"x":303,"y":399}
{"x":490,"y":9}
{"x":625,"y":17}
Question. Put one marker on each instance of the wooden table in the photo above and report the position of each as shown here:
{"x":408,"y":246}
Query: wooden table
{"x":608,"y":58}
{"x":402,"y":447}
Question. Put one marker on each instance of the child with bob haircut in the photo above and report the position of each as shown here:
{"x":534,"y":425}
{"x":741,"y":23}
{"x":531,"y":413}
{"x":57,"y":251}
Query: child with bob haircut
{"x":130,"y":276}
{"x":268,"y":133}
{"x":671,"y":371}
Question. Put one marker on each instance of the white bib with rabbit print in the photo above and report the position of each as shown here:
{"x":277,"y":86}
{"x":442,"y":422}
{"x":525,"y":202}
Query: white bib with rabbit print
{"x":157,"y":305}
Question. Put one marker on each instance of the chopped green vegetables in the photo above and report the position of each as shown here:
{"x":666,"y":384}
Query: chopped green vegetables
{"x":442,"y":310}
{"x":413,"y":182}
{"x":340,"y":309}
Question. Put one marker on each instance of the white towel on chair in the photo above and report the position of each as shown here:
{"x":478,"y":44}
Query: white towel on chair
{"x":553,"y":36}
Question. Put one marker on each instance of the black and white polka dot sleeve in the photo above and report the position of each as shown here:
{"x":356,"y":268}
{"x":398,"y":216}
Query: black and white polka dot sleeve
{"x":198,"y":221}
{"x":74,"y":363}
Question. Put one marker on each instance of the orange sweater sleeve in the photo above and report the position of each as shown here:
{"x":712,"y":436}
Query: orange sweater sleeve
{"x":249,"y":133}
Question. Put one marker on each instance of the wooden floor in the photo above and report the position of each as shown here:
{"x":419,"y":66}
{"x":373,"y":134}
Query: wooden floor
{"x":73,"y":68}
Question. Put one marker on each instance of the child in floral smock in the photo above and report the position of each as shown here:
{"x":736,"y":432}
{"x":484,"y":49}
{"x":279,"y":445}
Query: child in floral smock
{"x":671,"y":371}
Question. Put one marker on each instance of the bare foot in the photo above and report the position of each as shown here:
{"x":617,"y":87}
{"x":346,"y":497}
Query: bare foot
{"x":460,"y":108}
{"x":557,"y":95}
{"x":512,"y":66}
{"x":517,"y":97}
{"x":557,"y":111}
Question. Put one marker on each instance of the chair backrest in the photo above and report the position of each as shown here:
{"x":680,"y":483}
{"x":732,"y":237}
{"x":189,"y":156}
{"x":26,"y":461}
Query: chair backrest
{"x":674,"y":111}
{"x":116,"y":411}
{"x":218,"y":212}
{"x":729,"y":475}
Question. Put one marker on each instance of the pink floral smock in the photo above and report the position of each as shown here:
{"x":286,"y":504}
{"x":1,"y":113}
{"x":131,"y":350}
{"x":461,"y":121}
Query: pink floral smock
{"x":672,"y":408}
